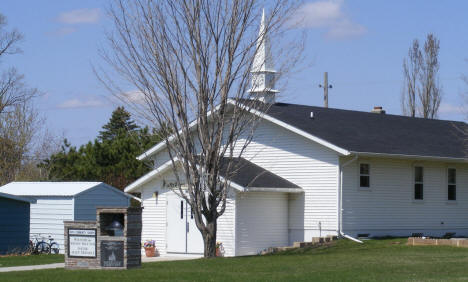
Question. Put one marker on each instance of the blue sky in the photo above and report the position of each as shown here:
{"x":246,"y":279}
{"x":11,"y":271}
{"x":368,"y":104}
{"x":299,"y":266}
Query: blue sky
{"x":360,"y":43}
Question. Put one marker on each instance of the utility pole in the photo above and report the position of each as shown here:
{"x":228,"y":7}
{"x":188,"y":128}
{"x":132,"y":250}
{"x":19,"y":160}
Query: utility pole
{"x":325,"y":87}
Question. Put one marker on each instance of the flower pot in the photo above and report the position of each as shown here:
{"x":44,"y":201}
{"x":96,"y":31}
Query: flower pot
{"x":150,"y":252}
{"x":218,"y":252}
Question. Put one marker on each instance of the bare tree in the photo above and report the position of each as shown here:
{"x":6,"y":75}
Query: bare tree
{"x":464,"y":96}
{"x":431,"y":91}
{"x":8,"y":39}
{"x":411,"y":71}
{"x":19,"y":122}
{"x":24,"y":144}
{"x":12,"y":88}
{"x":17,"y":129}
{"x":422,"y":90}
{"x":191,"y":61}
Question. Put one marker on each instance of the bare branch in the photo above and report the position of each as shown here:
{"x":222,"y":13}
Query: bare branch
{"x":191,"y":62}
{"x":422,"y":90}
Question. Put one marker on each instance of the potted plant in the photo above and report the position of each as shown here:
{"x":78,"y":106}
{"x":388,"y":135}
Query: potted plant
{"x":150,"y":248}
{"x":219,"y":249}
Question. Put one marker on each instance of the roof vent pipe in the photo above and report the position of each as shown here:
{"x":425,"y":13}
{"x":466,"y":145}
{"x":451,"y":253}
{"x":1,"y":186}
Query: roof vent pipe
{"x":378,"y":110}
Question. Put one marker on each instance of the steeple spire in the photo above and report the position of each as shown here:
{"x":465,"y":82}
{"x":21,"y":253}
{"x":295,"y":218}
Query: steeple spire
{"x":263,"y":73}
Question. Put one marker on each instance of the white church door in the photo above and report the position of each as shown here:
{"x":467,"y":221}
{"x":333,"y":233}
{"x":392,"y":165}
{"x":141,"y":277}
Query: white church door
{"x":194,"y":237}
{"x":182,"y":235}
{"x":176,"y":222}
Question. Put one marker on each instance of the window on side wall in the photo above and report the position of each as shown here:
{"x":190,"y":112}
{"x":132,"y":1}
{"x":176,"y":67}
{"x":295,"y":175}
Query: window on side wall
{"x":452,"y":184}
{"x":364,"y":175}
{"x":418,"y":183}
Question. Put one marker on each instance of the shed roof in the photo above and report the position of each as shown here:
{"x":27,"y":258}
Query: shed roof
{"x":16,"y":198}
{"x":49,"y":188}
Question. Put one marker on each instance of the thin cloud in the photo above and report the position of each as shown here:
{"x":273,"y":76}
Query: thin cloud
{"x":328,"y":15}
{"x":134,"y":96}
{"x":77,"y":103}
{"x":80,"y":16}
{"x":446,"y":108}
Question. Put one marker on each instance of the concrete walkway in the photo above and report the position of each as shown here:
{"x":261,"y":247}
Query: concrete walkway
{"x":32,"y":267}
{"x":171,"y":258}
{"x":62,"y":265}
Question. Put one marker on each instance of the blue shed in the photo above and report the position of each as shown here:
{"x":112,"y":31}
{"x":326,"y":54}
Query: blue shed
{"x":14,"y":223}
{"x":56,"y":202}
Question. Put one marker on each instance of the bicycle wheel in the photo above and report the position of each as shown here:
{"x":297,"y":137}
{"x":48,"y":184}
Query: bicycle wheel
{"x":54,"y":248}
{"x":43,"y":248}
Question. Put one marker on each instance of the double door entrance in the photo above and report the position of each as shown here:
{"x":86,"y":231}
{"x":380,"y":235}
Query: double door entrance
{"x":183,"y":235}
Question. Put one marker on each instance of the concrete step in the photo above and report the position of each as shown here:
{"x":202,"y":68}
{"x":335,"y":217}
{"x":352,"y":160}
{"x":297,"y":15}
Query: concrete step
{"x":297,"y":245}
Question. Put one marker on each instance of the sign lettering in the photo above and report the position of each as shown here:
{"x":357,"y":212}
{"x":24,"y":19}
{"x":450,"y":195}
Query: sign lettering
{"x":82,"y":243}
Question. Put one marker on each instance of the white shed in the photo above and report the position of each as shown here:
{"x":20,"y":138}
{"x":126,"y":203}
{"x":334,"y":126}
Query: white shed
{"x":56,"y":202}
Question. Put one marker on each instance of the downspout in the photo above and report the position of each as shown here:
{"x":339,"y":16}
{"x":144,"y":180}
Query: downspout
{"x":340,"y":200}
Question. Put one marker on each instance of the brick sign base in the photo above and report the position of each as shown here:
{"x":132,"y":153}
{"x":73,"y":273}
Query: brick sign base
{"x":111,"y":252}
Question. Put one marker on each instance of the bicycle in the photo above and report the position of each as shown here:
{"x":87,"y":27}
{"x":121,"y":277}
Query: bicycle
{"x":38,"y":247}
{"x":43,"y":247}
{"x":54,"y":247}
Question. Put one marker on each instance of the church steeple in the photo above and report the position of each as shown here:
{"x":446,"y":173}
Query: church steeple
{"x":263,"y":73}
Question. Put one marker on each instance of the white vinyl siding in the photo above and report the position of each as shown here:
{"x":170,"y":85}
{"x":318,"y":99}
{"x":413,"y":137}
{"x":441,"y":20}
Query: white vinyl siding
{"x":307,"y":164}
{"x":389,"y":208}
{"x":311,"y":166}
{"x":48,"y":215}
{"x":226,"y":233}
{"x":160,"y":158}
{"x":154,"y":214}
{"x":261,"y":221}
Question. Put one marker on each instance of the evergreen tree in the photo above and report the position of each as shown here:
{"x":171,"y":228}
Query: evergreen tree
{"x":120,"y":121}
{"x":111,"y":158}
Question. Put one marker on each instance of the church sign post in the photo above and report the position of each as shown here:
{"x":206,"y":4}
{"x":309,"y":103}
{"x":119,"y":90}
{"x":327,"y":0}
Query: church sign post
{"x":111,"y":242}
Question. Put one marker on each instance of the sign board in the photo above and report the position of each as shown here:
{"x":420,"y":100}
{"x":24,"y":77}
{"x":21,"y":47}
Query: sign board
{"x":82,"y":243}
{"x":112,"y":253}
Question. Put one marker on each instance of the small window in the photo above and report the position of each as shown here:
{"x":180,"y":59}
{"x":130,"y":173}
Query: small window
{"x":452,"y":184}
{"x":181,"y":209}
{"x":364,"y":176}
{"x":418,"y":183}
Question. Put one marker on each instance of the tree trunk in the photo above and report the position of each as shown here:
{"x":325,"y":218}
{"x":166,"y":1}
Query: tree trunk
{"x":209,"y":239}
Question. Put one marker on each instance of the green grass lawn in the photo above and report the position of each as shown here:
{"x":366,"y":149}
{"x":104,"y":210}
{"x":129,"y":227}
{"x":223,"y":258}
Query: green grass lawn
{"x":376,"y":260}
{"x":30,"y":260}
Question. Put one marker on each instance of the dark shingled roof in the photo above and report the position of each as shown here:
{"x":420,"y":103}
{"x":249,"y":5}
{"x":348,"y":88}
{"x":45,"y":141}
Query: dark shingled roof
{"x":248,"y":174}
{"x":377,"y":133}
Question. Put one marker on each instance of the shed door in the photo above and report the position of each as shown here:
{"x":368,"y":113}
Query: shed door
{"x":183,"y":235}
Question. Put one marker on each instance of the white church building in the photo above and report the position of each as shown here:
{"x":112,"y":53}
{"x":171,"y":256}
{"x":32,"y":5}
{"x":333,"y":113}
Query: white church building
{"x":312,"y":171}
